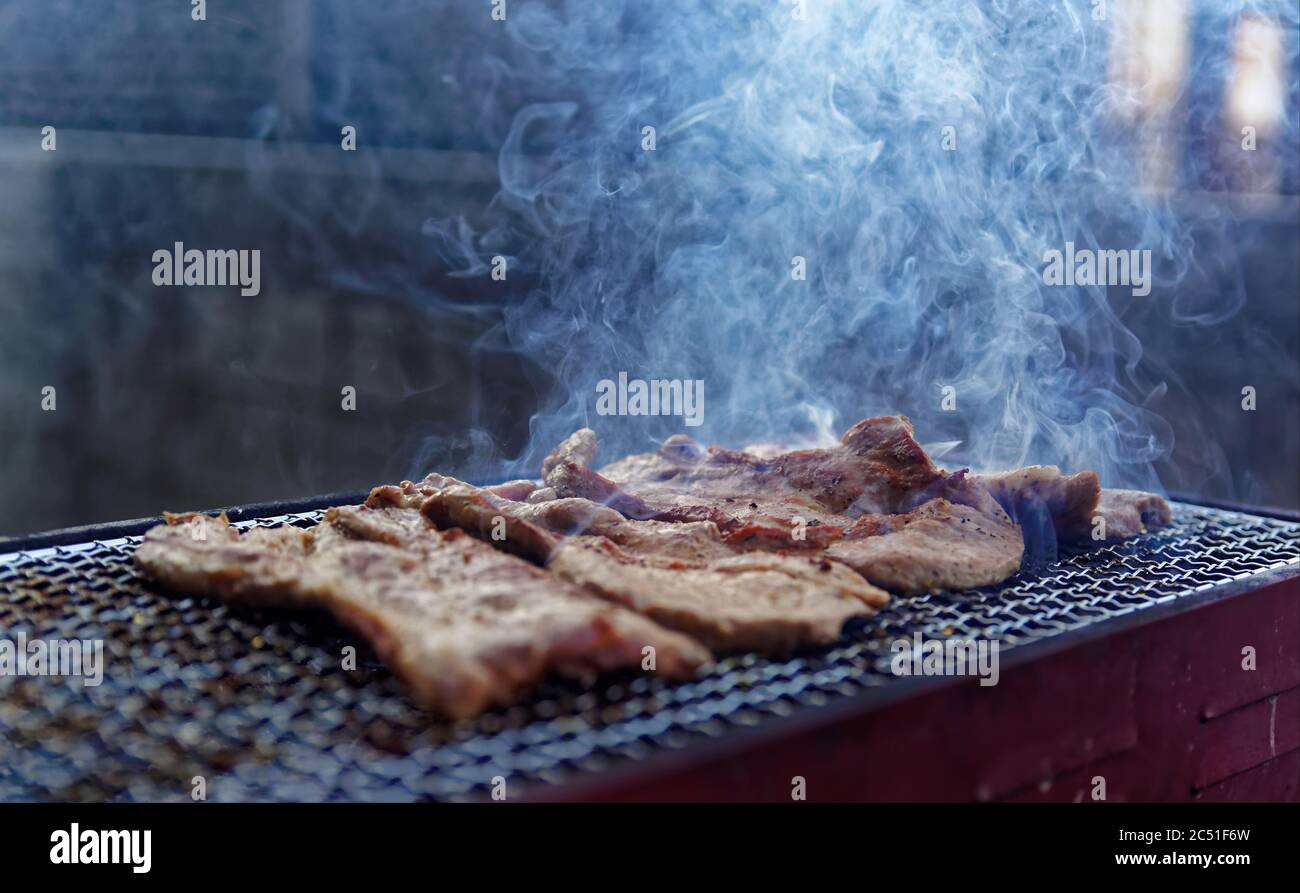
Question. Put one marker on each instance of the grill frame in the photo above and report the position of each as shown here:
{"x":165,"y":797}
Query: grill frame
{"x":663,"y":753}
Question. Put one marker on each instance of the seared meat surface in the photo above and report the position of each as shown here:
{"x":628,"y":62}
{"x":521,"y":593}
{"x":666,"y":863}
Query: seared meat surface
{"x":878,"y":467}
{"x":874,"y":502}
{"x":1131,"y":512}
{"x":536,"y":530}
{"x":682,"y":575}
{"x":1074,"y":503}
{"x":960,"y":539}
{"x":473,"y":594}
{"x":465,"y":626}
{"x":756,"y":601}
{"x":941,"y":545}
{"x":1040,"y":492}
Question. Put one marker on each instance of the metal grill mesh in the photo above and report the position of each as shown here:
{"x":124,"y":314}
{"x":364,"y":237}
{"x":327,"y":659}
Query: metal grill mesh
{"x":257,"y":702}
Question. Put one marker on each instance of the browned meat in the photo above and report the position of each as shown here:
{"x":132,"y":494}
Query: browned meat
{"x":465,"y":626}
{"x":1131,"y":512}
{"x":1073,"y":501}
{"x":568,"y":479}
{"x":407,"y":494}
{"x":206,"y":556}
{"x":756,"y":601}
{"x":396,"y":526}
{"x":686,"y":541}
{"x":683,"y":575}
{"x":579,"y":448}
{"x":959,"y":540}
{"x":730,"y":549}
{"x":517,"y":490}
{"x":535,"y":530}
{"x":875,"y":502}
{"x":1041,"y":491}
{"x":878,"y":467}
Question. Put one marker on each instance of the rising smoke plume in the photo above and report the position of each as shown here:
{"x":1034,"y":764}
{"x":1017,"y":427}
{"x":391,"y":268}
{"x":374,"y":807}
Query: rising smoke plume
{"x":823,"y":137}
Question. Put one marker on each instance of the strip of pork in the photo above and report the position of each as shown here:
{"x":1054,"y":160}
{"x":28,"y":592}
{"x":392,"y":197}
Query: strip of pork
{"x":751,"y":602}
{"x":1041,"y":494}
{"x":683,"y":576}
{"x":466,"y":627}
{"x":1129,"y":513}
{"x":1074,"y":503}
{"x":475,"y":509}
{"x":960,"y":539}
{"x":875,"y":502}
{"x":878,"y":467}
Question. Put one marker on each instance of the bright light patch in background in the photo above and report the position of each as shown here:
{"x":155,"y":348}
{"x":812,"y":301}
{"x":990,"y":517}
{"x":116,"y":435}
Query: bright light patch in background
{"x":1255,"y":81}
{"x":1148,"y":65}
{"x":1148,"y":55}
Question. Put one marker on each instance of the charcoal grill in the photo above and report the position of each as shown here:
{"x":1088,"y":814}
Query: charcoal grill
{"x":257,"y":703}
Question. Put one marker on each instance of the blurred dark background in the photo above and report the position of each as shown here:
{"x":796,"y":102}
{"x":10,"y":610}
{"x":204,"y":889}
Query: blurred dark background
{"x":220,"y":133}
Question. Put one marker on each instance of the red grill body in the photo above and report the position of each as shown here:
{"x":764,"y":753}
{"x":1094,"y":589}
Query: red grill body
{"x":1162,"y":711}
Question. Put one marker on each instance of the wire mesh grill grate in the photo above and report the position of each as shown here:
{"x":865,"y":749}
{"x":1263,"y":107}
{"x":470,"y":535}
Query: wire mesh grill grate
{"x":258,"y":705}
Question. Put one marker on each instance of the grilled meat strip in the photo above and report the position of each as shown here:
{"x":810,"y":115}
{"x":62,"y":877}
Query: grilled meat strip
{"x":1041,"y":494}
{"x":751,"y":602}
{"x":682,"y":575}
{"x":1073,"y":502}
{"x":1131,"y":512}
{"x":875,"y":502}
{"x":567,"y":473}
{"x":878,"y":467}
{"x":465,"y":626}
{"x":451,"y":503}
{"x":960,"y":539}
{"x":957,"y":538}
